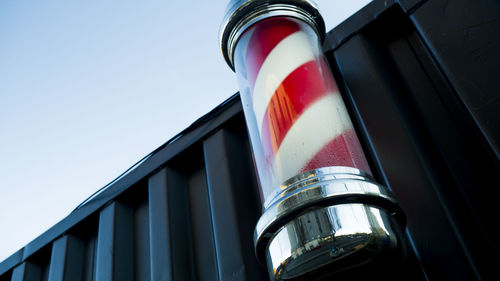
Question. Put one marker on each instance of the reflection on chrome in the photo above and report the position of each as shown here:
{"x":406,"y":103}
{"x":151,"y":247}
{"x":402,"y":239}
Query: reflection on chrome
{"x":326,"y":221}
{"x":352,"y":232}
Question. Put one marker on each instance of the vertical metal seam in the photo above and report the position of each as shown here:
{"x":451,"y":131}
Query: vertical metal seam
{"x":212,"y":228}
{"x":57,"y":254}
{"x":115,"y":227}
{"x":162,"y":188}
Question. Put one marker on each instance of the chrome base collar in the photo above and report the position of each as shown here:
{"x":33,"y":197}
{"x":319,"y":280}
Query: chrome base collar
{"x":334,"y":239}
{"x":324,"y":216}
{"x":241,"y":14}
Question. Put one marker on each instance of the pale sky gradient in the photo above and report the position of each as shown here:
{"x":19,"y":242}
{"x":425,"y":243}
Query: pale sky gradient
{"x":88,"y":88}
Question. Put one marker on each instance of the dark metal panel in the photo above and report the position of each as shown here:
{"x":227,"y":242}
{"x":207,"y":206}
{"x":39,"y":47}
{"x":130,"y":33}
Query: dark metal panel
{"x":45,"y":272}
{"x":464,"y":37}
{"x":170,"y":229}
{"x":115,"y":252}
{"x":204,"y":255}
{"x":464,"y":164}
{"x":90,"y":258}
{"x":6,"y":276}
{"x":465,"y":44}
{"x":161,"y":262}
{"x":406,"y":153}
{"x":234,"y":207}
{"x":11,"y":261}
{"x":410,"y":6}
{"x":27,"y":271}
{"x":371,"y":12}
{"x":443,"y":140}
{"x":67,"y":259}
{"x":345,"y":30}
{"x":141,"y":243}
{"x":179,"y":225}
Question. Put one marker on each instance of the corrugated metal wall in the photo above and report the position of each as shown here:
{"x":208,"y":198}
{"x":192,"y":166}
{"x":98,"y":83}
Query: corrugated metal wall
{"x":187,"y":212}
{"x":191,"y":218}
{"x":419,"y":80}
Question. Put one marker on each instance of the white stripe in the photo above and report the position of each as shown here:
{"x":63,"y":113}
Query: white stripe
{"x":323,"y":121}
{"x":288,"y":55}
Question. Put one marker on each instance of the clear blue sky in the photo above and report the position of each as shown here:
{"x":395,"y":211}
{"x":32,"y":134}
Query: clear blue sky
{"x":88,"y":88}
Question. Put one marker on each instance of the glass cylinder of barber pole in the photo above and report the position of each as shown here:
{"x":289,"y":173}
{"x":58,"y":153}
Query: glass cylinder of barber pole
{"x":322,"y":210}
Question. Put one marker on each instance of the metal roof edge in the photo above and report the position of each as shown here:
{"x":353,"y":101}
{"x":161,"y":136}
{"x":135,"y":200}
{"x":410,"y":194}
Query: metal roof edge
{"x":352,"y":25}
{"x":193,"y":133}
{"x":11,"y":261}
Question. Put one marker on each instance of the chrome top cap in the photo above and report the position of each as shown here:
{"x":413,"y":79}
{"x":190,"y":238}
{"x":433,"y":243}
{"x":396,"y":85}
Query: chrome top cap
{"x":241,"y":14}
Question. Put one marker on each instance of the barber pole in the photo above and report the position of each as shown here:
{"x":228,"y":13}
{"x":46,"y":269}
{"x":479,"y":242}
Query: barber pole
{"x":316,"y":185}
{"x":301,"y":119}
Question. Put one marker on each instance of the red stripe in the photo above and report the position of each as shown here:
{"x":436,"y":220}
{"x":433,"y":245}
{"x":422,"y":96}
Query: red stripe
{"x":267,"y":34}
{"x":344,"y":150}
{"x":297,"y":92}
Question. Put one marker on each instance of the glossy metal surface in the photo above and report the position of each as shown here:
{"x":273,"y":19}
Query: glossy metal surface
{"x":328,"y":220}
{"x":332,"y":239}
{"x":241,"y":14}
{"x":312,"y":178}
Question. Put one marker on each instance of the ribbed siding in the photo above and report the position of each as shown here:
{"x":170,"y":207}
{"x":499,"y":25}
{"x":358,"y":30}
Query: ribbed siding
{"x":174,"y":224}
{"x":234,"y":206}
{"x":67,"y":259}
{"x":115,"y":252}
{"x":27,"y":271}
